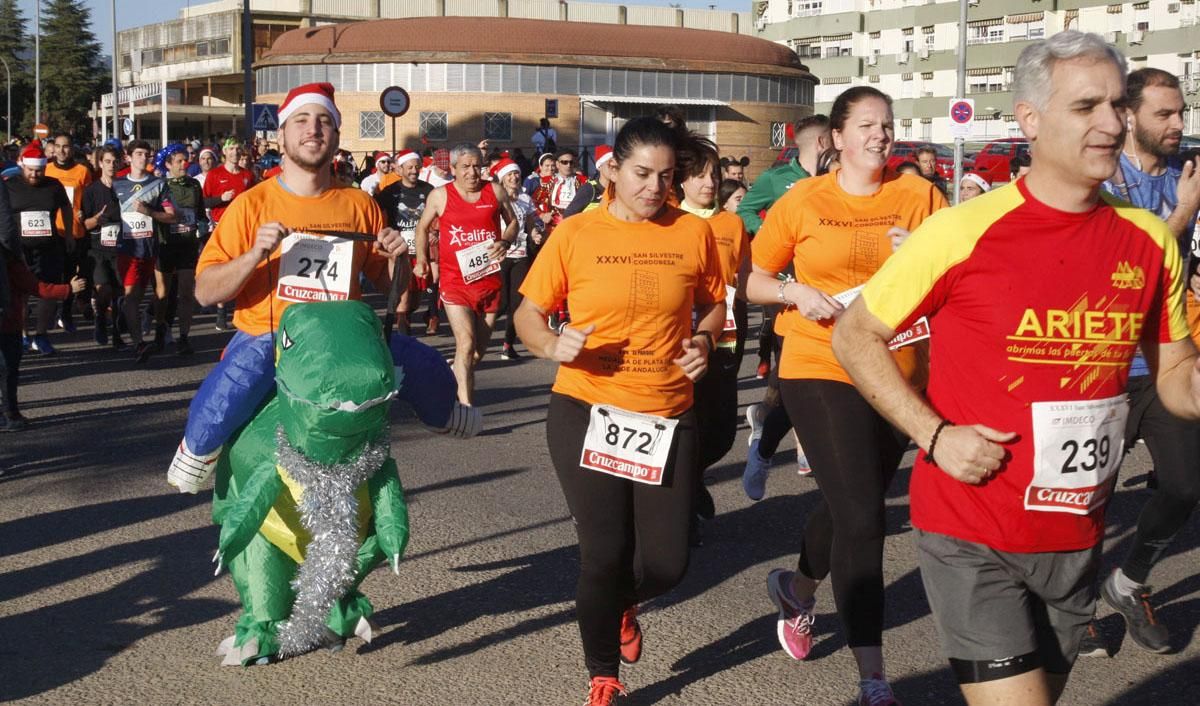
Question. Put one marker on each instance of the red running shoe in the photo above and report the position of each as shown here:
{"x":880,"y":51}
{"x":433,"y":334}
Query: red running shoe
{"x":764,"y":369}
{"x":631,"y":636}
{"x":604,"y":691}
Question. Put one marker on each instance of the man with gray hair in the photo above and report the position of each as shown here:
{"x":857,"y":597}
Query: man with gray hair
{"x":1037,"y":296}
{"x":471,"y":247}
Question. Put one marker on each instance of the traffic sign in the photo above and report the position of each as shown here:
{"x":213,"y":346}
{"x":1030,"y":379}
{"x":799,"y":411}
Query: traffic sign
{"x":127,"y":127}
{"x":962,"y":117}
{"x":394,"y":101}
{"x":41,"y":130}
{"x":265,"y":117}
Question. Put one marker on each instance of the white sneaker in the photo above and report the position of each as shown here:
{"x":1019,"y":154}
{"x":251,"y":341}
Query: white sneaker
{"x":756,"y":414}
{"x":802,"y":466}
{"x":188,"y":471}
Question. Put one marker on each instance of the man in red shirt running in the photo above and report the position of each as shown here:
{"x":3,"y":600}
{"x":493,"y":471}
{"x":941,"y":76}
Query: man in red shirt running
{"x":1037,"y":296}
{"x":221,"y":186}
{"x":470,"y":250}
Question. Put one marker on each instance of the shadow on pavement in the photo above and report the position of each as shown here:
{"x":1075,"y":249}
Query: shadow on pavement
{"x":58,"y":644}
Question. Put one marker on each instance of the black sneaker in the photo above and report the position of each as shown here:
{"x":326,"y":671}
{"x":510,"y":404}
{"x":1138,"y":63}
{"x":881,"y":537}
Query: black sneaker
{"x":182,"y":347}
{"x":1140,"y":623}
{"x":509,"y":353}
{"x":1092,"y":643}
{"x":143,"y":351}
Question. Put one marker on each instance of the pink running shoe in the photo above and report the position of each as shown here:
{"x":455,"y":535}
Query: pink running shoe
{"x":794,"y":626}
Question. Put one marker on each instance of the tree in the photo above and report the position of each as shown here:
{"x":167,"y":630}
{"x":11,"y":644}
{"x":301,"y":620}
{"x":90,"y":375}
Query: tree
{"x":15,"y":46}
{"x":71,"y":71}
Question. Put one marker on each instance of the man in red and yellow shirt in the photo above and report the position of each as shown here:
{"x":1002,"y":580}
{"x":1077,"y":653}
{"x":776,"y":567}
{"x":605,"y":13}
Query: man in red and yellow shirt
{"x":1037,"y":297}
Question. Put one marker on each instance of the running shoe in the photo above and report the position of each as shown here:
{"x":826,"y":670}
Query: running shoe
{"x":143,"y":351}
{"x":1092,"y":643}
{"x":431,"y":325}
{"x":1140,"y":623}
{"x":603,"y":691}
{"x":631,"y":636}
{"x":764,"y":369}
{"x":222,"y":319}
{"x":794,"y":626}
{"x":802,"y":465}
{"x":183,"y":347}
{"x":756,"y":414}
{"x":876,"y":692}
{"x":66,"y":324}
{"x":509,"y":352}
{"x":41,"y":344}
{"x":754,"y":477}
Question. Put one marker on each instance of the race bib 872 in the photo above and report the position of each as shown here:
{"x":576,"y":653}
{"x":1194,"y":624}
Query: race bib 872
{"x":627,"y":444}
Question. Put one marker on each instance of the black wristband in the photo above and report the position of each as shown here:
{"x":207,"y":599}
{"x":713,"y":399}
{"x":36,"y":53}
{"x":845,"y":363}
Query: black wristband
{"x":712,"y":344}
{"x":933,"y":441}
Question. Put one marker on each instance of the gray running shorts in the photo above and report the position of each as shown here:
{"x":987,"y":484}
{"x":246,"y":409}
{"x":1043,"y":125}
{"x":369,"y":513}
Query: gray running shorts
{"x":992,"y":606}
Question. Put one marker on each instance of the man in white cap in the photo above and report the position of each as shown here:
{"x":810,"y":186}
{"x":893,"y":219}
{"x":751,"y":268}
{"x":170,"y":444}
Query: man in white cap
{"x":403,"y":203}
{"x":972,"y":185}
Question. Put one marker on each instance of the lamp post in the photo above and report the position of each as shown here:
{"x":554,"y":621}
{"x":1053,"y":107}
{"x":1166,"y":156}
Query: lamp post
{"x":7,"y":98}
{"x":37,"y":62}
{"x":116,"y":56}
{"x":961,"y":92}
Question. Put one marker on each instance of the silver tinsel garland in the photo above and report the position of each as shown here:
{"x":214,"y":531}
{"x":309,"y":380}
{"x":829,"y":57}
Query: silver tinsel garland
{"x":329,"y":511}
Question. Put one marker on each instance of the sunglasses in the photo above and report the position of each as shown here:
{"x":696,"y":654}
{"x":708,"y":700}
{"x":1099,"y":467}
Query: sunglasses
{"x":566,"y":161}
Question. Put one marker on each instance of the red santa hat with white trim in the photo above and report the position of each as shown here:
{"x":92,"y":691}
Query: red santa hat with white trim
{"x":603,"y":154}
{"x":503,"y":167}
{"x":309,"y":94}
{"x":33,"y":156}
{"x":405,"y":156}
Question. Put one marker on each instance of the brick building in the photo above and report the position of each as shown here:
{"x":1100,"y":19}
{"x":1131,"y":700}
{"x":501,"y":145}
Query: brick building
{"x":471,"y":78}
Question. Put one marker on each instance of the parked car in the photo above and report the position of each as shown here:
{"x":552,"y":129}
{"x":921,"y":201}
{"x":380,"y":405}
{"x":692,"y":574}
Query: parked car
{"x":992,"y":162}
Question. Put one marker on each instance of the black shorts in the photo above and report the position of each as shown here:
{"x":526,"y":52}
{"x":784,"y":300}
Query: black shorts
{"x":105,"y":269}
{"x":178,"y":255}
{"x":49,"y":264}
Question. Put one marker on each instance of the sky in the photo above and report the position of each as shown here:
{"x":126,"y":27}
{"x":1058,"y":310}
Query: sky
{"x":134,"y":13}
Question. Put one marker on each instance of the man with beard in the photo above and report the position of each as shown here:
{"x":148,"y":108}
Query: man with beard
{"x":271,"y":248}
{"x":403,"y":203}
{"x":40,"y":204}
{"x":1150,"y":175}
{"x":74,"y":176}
{"x":471,"y":247}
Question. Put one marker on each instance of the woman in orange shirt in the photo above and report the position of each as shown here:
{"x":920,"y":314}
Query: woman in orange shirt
{"x":620,"y":427}
{"x":696,"y":170}
{"x":838,"y":229}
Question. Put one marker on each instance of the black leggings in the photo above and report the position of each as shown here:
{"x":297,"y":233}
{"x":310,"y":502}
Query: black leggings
{"x":12,"y":349}
{"x":853,"y":453}
{"x":512,"y":274}
{"x":777,"y":423}
{"x":768,"y":342}
{"x":1174,"y":446}
{"x":633,"y":537}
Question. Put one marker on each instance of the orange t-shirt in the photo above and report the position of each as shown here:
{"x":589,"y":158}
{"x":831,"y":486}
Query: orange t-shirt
{"x":836,"y":241}
{"x":732,"y":240}
{"x":74,"y":180}
{"x":386,"y":180}
{"x":339,"y":208}
{"x":637,"y":283}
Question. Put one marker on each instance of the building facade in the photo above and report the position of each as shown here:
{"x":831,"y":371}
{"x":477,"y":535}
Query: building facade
{"x":199,"y":55}
{"x":909,"y":50}
{"x":471,"y":79}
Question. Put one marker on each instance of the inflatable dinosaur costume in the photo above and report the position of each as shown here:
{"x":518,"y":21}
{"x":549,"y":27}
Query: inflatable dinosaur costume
{"x":306,"y":494}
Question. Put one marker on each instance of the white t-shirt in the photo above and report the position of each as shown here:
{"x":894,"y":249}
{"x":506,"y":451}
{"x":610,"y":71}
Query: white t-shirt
{"x":370,"y":184}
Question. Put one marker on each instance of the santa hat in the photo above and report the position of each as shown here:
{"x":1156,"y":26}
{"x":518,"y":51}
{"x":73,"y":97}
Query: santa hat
{"x":212,"y":153}
{"x":977,"y":180}
{"x":33,"y":156}
{"x":603,"y":154}
{"x":406,"y":156}
{"x":380,"y":156}
{"x":310,"y":93}
{"x":503,"y":167}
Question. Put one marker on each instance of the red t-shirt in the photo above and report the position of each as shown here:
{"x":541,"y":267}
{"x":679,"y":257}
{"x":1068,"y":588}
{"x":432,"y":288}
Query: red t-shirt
{"x":219,"y":180}
{"x":465,"y":225}
{"x":1034,"y":315}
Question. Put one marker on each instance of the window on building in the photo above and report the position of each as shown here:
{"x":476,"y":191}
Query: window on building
{"x":874,"y":44}
{"x":906,"y":85}
{"x":926,"y":129}
{"x":778,"y":135}
{"x":808,"y":47}
{"x":371,"y":125}
{"x":985,"y":31}
{"x":906,"y":128}
{"x":806,"y":8}
{"x":1026,"y":26}
{"x":929,"y":37}
{"x":838,"y":45}
{"x":497,"y":127}
{"x":435,"y":126}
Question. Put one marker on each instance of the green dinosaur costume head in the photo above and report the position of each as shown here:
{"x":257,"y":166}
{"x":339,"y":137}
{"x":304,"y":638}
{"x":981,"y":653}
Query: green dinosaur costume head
{"x":335,"y":383}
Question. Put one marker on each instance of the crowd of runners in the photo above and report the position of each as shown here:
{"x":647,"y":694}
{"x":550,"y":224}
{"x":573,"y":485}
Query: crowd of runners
{"x":1022,"y":340}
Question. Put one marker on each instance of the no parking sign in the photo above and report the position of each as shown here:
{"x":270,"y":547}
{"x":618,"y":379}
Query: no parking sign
{"x":962,"y":117}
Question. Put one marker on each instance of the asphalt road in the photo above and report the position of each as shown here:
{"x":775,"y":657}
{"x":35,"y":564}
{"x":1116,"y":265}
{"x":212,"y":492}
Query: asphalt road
{"x":107,"y":594}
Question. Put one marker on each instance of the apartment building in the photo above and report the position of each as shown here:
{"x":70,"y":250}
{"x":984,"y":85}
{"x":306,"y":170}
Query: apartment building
{"x":909,"y":48}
